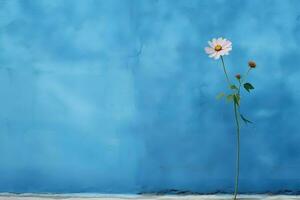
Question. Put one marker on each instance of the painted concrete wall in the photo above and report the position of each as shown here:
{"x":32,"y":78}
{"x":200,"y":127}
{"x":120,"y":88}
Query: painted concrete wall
{"x":119,"y":97}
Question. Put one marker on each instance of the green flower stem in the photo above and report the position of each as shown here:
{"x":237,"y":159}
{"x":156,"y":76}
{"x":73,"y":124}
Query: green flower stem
{"x":236,"y":112}
{"x":224,"y":68}
{"x":239,"y":90}
{"x":238,"y":151}
{"x":244,"y":78}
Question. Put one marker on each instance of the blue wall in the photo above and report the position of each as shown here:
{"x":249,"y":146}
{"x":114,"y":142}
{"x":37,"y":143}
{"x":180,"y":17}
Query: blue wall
{"x":119,"y":96}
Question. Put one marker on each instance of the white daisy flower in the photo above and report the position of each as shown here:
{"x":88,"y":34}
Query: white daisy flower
{"x":218,"y":47}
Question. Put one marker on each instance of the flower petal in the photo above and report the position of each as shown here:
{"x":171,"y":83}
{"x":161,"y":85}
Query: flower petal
{"x":225,"y":51}
{"x":217,"y":56}
{"x":212,"y":55}
{"x":228,"y":49}
{"x":227,"y":44}
{"x":214,"y":42}
{"x":209,"y":50}
{"x":222,"y":42}
{"x":211,"y":44}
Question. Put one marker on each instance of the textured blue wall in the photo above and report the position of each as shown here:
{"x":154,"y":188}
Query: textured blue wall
{"x":119,"y":96}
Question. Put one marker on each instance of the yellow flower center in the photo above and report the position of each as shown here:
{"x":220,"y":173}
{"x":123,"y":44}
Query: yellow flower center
{"x":218,"y":47}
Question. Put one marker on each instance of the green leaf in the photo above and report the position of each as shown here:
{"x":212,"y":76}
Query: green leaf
{"x":229,"y":97}
{"x":220,"y":96}
{"x":233,"y":87}
{"x":236,"y":99}
{"x":245,"y":120}
{"x":248,"y":87}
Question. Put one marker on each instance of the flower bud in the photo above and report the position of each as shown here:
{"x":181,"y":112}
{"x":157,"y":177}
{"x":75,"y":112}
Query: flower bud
{"x":238,"y":76}
{"x":252,"y":64}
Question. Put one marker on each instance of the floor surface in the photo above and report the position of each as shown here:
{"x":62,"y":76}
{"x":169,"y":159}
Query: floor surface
{"x":144,"y":197}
